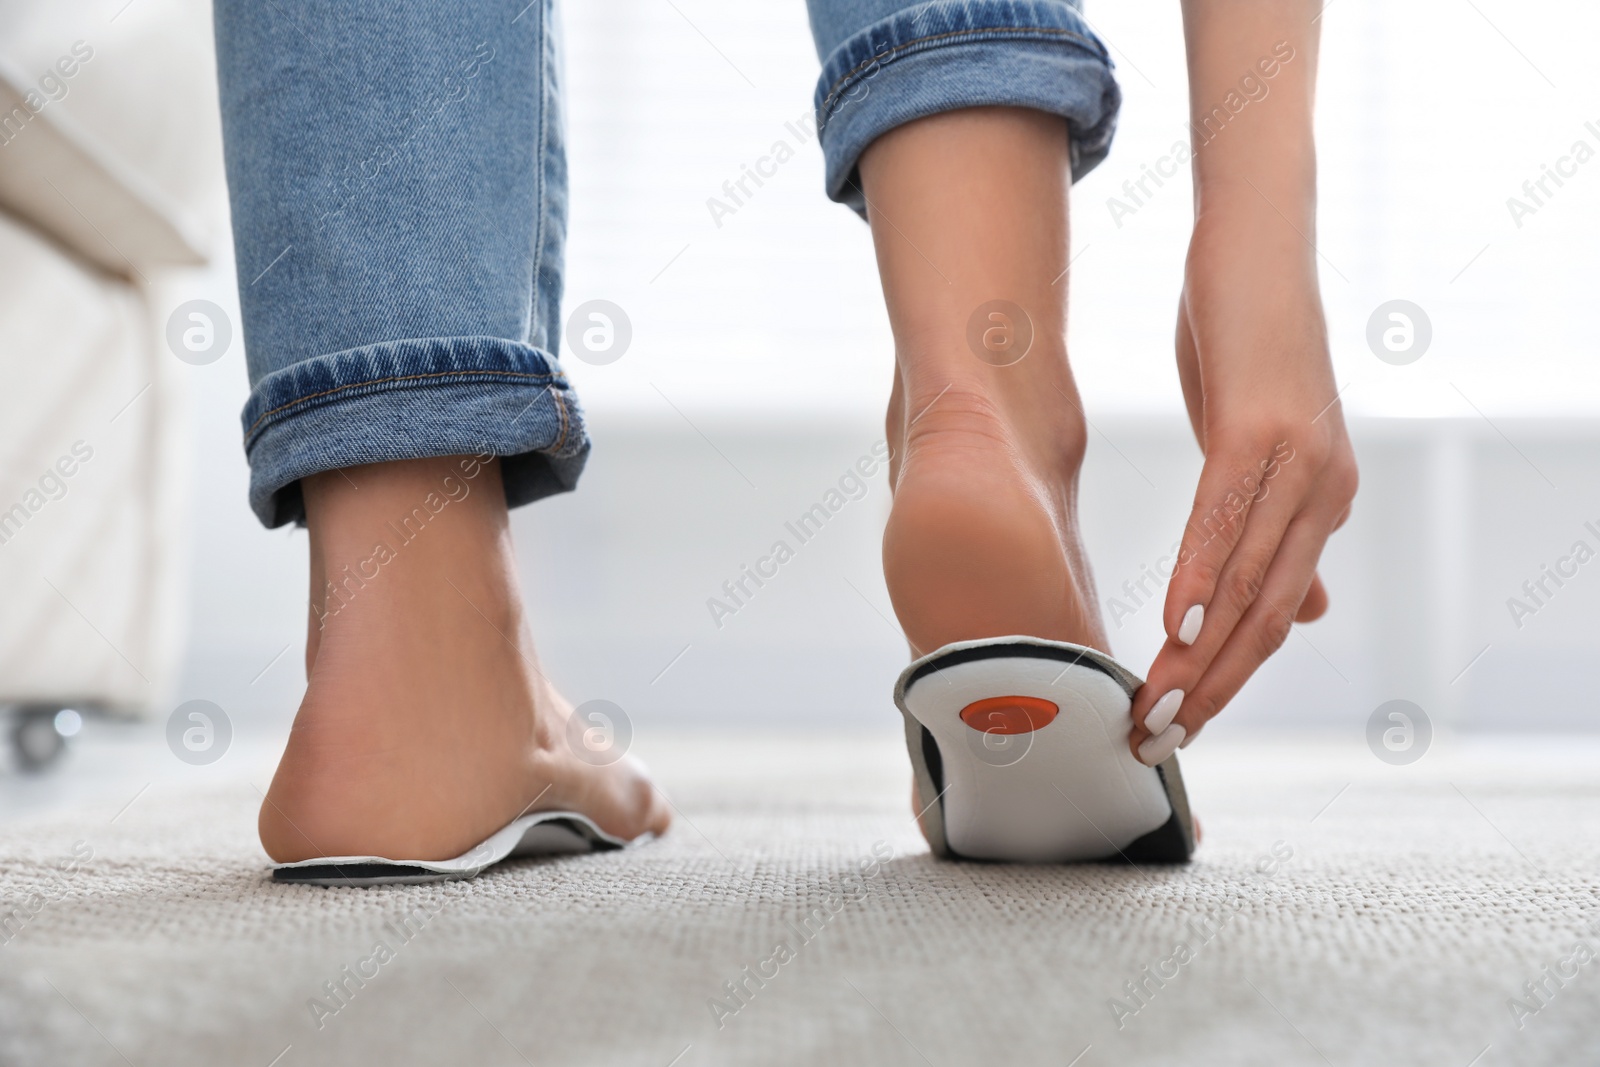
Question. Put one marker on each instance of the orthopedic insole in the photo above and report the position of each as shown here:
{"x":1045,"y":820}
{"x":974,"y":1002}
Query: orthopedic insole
{"x":544,"y":833}
{"x":1020,"y":748}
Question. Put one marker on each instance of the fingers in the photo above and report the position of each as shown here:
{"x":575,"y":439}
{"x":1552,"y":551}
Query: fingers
{"x":1235,"y":494}
{"x":1205,"y":625}
{"x":1188,"y":687}
{"x":1264,"y":628}
{"x":1235,"y":591}
{"x":1315,"y":603}
{"x":1262,"y":514}
{"x":1227,"y":550}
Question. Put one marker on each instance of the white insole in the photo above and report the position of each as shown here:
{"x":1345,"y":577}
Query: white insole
{"x":1068,"y":790}
{"x":544,"y":833}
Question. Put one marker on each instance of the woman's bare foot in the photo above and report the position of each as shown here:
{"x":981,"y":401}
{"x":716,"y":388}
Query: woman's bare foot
{"x":427,"y":724}
{"x":969,"y":213}
{"x":969,"y":216}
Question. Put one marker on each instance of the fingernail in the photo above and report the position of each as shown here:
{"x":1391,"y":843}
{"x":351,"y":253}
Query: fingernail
{"x":1189,"y":628}
{"x":1157,"y":748}
{"x":1160,"y":716}
{"x":1187,"y":741}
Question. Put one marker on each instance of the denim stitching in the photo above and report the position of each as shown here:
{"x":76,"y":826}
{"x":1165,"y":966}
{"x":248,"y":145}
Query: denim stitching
{"x":545,"y":103}
{"x":833,"y":91}
{"x":561,"y":410}
{"x":397,"y":378}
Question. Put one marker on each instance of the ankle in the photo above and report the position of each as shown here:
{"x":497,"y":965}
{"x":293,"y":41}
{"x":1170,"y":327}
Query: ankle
{"x":1031,"y":407}
{"x":399,"y":499}
{"x":429,"y":520}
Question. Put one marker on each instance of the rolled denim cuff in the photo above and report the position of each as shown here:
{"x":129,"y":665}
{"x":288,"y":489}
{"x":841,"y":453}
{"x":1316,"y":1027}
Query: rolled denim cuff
{"x":410,"y":400}
{"x":935,"y":57}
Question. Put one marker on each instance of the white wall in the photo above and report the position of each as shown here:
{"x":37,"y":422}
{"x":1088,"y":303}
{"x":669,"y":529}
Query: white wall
{"x":1452,"y":519}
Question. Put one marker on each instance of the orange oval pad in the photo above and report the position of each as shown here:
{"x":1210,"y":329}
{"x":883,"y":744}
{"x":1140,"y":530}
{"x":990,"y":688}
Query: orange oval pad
{"x":1009,"y":715}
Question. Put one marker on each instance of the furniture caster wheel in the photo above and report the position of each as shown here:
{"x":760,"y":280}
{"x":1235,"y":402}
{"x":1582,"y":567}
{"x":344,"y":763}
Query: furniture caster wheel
{"x":39,"y":736}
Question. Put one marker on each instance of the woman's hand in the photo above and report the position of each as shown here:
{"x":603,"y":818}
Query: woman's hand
{"x":1279,"y":473}
{"x":1253,"y":358}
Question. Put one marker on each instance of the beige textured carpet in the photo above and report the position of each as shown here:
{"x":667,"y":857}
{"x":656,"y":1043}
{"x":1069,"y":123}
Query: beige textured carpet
{"x":1342,"y":912}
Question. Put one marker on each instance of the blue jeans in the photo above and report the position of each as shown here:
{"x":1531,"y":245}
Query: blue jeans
{"x":398,"y":183}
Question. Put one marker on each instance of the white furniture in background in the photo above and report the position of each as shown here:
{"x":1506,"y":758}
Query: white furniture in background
{"x":105,"y":127}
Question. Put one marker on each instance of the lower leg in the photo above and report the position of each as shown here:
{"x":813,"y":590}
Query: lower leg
{"x":427,"y":723}
{"x":967,"y":208}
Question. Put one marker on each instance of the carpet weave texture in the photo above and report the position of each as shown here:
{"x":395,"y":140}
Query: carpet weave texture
{"x":1340,"y":911}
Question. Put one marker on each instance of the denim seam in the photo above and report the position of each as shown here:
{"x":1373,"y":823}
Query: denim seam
{"x":539,"y":164}
{"x":552,"y":378}
{"x":561,"y":410}
{"x":1045,"y":31}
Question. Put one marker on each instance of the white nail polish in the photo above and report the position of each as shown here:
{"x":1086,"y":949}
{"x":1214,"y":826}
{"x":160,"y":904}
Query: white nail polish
{"x":1160,"y":716}
{"x":1189,"y":628}
{"x":1157,"y":748}
{"x":1187,"y":741}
